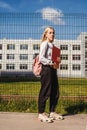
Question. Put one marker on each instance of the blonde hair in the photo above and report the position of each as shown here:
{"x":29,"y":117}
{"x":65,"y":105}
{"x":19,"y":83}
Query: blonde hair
{"x":45,"y":32}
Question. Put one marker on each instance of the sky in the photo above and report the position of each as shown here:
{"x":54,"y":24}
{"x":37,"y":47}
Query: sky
{"x":28,"y":18}
{"x":66,"y":6}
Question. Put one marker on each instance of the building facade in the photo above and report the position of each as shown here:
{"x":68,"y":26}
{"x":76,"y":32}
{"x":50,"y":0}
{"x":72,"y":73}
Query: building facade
{"x":16,"y":56}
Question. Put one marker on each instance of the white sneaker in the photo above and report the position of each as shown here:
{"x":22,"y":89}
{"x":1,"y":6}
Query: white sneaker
{"x":44,"y":118}
{"x":55,"y":116}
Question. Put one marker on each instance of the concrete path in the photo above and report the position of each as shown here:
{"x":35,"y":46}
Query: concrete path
{"x":29,"y":121}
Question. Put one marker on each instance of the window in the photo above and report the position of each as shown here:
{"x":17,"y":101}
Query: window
{"x":63,"y":66}
{"x":35,"y":55}
{"x":64,"y":47}
{"x":36,"y":47}
{"x":10,"y":56}
{"x":0,"y":66}
{"x":85,"y":44}
{"x":10,"y":67}
{"x":64,"y":57}
{"x":85,"y":37}
{"x":76,"y":47}
{"x":0,"y":46}
{"x":76,"y":57}
{"x":10,"y":47}
{"x":23,"y":66}
{"x":23,"y":56}
{"x":85,"y":54}
{"x":23,"y":47}
{"x":75,"y":67}
{"x":0,"y":56}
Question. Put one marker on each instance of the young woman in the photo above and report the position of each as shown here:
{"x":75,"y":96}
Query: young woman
{"x":49,"y":79}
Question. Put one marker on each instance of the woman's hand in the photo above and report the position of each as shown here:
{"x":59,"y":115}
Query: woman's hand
{"x":56,"y":65}
{"x":58,"y":60}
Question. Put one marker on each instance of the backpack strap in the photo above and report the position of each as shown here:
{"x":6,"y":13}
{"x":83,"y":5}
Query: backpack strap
{"x":46,"y":50}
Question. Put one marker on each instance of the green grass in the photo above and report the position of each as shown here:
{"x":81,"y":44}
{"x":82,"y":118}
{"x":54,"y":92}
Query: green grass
{"x":63,"y":107}
{"x":19,"y":88}
{"x":68,"y":87}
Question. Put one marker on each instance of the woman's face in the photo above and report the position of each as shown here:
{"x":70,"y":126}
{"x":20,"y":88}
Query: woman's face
{"x":50,"y":35}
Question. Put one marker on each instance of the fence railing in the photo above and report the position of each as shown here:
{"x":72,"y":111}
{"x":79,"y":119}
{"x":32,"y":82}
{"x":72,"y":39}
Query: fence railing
{"x":28,"y":26}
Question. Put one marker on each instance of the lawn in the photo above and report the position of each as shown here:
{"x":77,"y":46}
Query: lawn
{"x":68,"y":88}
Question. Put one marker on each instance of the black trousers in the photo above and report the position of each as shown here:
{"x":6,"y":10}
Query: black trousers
{"x":49,"y":89}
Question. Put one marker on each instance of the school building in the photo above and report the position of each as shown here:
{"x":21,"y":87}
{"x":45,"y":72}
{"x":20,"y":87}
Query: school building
{"x":16,"y":56}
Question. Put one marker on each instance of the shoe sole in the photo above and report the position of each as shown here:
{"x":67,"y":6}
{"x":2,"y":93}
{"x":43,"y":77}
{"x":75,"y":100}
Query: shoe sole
{"x":45,"y":120}
{"x":59,"y":118}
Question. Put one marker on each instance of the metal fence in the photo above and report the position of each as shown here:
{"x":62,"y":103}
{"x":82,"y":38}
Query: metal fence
{"x":30,"y":26}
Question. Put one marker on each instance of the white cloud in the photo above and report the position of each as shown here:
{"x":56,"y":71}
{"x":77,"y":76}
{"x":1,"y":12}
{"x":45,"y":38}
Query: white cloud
{"x":53,"y":15}
{"x":43,"y":27}
{"x":6,"y":6}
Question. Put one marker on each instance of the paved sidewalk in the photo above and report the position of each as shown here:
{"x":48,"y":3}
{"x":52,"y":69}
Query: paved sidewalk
{"x":29,"y":121}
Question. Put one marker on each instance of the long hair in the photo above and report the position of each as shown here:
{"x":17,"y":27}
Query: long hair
{"x":45,"y":32}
